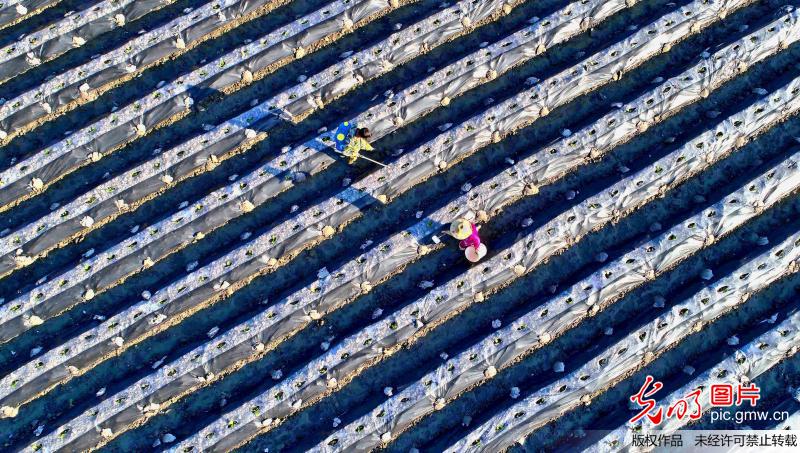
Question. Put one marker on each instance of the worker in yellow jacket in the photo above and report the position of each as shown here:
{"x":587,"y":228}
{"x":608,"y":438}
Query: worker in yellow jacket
{"x":359,"y":142}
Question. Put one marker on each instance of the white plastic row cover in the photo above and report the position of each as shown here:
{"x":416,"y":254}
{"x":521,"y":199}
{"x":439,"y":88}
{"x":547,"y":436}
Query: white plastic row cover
{"x":291,"y":313}
{"x":14,"y":10}
{"x":97,"y":267}
{"x":382,"y":335}
{"x":179,"y":289}
{"x":74,"y":30}
{"x":636,"y":350}
{"x":601,"y":289}
{"x":103,"y":201}
{"x":142,"y":239}
{"x":129,"y":122}
{"x":308,"y":226}
{"x":128,"y":58}
{"x":744,"y":365}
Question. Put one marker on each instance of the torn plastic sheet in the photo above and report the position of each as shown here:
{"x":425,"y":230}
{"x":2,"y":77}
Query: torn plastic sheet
{"x":15,"y":10}
{"x":233,"y":268}
{"x":744,"y":365}
{"x":600,"y":289}
{"x":639,"y":348}
{"x":131,"y":57}
{"x":36,"y":172}
{"x":374,"y":342}
{"x":152,"y":242}
{"x":119,"y":193}
{"x":73,"y":31}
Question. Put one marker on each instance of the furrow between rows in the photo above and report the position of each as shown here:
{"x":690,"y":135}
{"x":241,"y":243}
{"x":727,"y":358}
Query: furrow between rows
{"x":608,"y":285}
{"x":376,"y":342}
{"x":72,"y":31}
{"x":204,"y":152}
{"x":84,"y":83}
{"x":15,"y":11}
{"x":287,"y":350}
{"x":743,"y":366}
{"x":638,"y":349}
{"x":164,"y":230}
{"x":173,"y":100}
{"x":382,"y":261}
{"x":160,"y":301}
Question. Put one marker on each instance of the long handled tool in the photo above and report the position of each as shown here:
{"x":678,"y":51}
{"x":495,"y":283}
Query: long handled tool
{"x":364,"y":157}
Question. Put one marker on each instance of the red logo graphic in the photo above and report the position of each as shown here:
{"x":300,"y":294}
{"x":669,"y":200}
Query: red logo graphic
{"x":750,"y":393}
{"x":722,"y":395}
{"x":648,"y":404}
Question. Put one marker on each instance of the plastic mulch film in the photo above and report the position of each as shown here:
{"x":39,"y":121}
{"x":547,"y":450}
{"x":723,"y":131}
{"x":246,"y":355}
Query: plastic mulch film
{"x":13,"y":11}
{"x":59,"y":283}
{"x":107,"y":200}
{"x":213,"y":280}
{"x":129,"y":256}
{"x":397,"y":49}
{"x":259,"y":185}
{"x":73,"y":31}
{"x":130,"y":58}
{"x":227,"y":350}
{"x":22,"y":246}
{"x":349,"y":282}
{"x":34,"y":173}
{"x":381,"y":339}
{"x":741,"y":367}
{"x":121,"y":251}
{"x":258,"y":56}
{"x":640,"y":348}
{"x":604,"y":287}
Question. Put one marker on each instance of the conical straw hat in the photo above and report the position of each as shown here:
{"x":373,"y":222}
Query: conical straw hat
{"x":461,"y":229}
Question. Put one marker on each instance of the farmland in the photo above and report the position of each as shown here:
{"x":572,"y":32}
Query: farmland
{"x":188,"y":264}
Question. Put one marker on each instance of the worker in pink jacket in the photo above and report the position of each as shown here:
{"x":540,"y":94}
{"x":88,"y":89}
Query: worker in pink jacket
{"x":470,"y":241}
